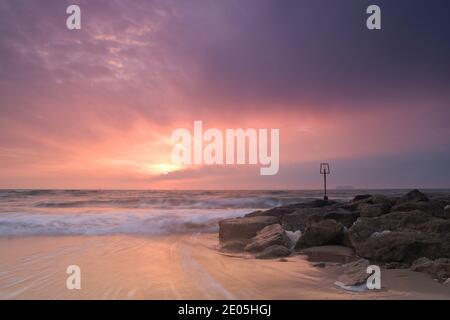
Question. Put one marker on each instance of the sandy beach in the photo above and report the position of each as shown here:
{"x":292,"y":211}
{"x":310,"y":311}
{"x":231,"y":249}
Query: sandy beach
{"x":177,"y":267}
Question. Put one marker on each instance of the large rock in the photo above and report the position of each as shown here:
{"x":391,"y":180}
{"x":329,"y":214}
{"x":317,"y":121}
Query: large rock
{"x":364,"y":227}
{"x":302,"y":218}
{"x":274,"y":251}
{"x":338,"y":254}
{"x":439,"y":268}
{"x":397,"y":246}
{"x":401,"y":237}
{"x":243,"y":228}
{"x":381,"y":199}
{"x":435,"y":207}
{"x":414,"y":195}
{"x":234,"y":245}
{"x":376,"y":199}
{"x":354,"y":273}
{"x":440,"y":227}
{"x":269,"y":236}
{"x":373,"y":210}
{"x":326,"y":232}
{"x":279,"y":212}
{"x":360,"y":197}
{"x":345,"y":217}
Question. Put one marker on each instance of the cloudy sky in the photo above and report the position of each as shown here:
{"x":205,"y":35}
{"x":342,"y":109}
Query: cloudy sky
{"x":95,"y":108}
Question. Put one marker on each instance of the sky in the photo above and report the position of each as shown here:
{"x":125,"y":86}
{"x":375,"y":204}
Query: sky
{"x":95,"y":108}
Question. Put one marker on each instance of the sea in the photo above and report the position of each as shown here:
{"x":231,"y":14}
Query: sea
{"x":147,"y":212}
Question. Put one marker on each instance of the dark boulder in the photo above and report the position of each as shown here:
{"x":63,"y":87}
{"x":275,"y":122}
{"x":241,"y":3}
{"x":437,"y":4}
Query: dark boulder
{"x":243,"y":228}
{"x":254,"y":213}
{"x":402,"y":246}
{"x":435,"y":208}
{"x":354,"y":273}
{"x":401,"y":236}
{"x":302,"y":218}
{"x":373,"y":210}
{"x":364,"y":227}
{"x":275,"y":251}
{"x":369,"y":200}
{"x":269,"y":236}
{"x":414,"y":195}
{"x":339,"y":254}
{"x":345,"y":217}
{"x":279,"y":212}
{"x":234,"y":245}
{"x":360,"y":197}
{"x":389,"y":246}
{"x":438,"y":226}
{"x":439,"y":268}
{"x":325,"y":232}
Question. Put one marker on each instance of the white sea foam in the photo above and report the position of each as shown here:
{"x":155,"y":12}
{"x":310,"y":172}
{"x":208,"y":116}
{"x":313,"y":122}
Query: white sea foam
{"x":293,"y":236}
{"x":65,"y":212}
{"x":135,"y":222}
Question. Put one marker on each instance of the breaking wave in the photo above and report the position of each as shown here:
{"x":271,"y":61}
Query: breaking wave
{"x":151,"y":223}
{"x":97,"y":212}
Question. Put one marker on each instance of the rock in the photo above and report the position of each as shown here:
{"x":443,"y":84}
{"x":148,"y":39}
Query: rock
{"x":277,"y":212}
{"x":401,"y":246}
{"x":254,"y":213}
{"x":349,"y":206}
{"x":302,"y":218}
{"x":354,"y":273}
{"x":373,"y":210}
{"x":243,"y":228}
{"x":280,"y":212}
{"x":364,"y":227}
{"x":338,"y":254}
{"x":367,"y":199}
{"x":320,"y":265}
{"x":345,"y":217}
{"x":401,"y":237}
{"x":360,"y":197}
{"x":435,"y":208}
{"x":396,"y":265}
{"x":326,"y":232}
{"x":319,"y":203}
{"x":414,"y":195}
{"x":274,"y":251}
{"x":421,"y":264}
{"x":381,"y":199}
{"x":447,"y":282}
{"x":447,"y":211}
{"x":269,"y":236}
{"x":234,"y":245}
{"x":283,"y":260}
{"x":439,"y":268}
{"x":437,"y":226}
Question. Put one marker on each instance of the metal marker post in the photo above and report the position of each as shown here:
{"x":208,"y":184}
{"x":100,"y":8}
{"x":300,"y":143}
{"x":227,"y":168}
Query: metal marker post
{"x":325,"y":169}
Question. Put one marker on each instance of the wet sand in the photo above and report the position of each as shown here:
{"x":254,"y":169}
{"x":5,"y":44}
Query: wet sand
{"x":177,"y":267}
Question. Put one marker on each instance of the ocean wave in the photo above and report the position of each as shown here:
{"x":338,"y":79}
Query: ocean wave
{"x":166,"y":203}
{"x":157,"y":199}
{"x":167,"y":222}
{"x":65,"y":212}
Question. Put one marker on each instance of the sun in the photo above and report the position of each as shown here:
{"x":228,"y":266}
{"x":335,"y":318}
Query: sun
{"x":162,"y":168}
